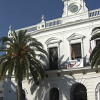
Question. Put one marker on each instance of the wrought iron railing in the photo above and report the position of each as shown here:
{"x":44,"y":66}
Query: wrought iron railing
{"x":70,"y":64}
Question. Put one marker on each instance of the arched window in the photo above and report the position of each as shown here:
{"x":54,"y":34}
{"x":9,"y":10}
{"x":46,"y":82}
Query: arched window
{"x":78,"y":92}
{"x":54,"y":94}
{"x":95,"y":30}
{"x":97,"y":91}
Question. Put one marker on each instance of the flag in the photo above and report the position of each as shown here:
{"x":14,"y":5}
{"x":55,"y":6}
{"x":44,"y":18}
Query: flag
{"x":90,"y":48}
{"x":70,"y":65}
{"x":72,"y":52}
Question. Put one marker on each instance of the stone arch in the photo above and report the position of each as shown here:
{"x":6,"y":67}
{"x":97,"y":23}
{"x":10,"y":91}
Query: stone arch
{"x":78,"y":92}
{"x":82,"y":81}
{"x":97,"y":92}
{"x":95,"y":30}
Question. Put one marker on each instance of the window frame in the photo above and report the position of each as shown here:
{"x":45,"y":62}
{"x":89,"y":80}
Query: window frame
{"x":76,"y":38}
{"x":95,"y":31}
{"x":75,"y":42}
{"x":80,"y":51}
{"x":54,"y":42}
{"x":50,"y":67}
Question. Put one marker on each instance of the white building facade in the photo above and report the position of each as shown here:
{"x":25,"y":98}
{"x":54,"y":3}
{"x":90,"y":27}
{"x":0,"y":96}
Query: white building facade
{"x":68,"y":72}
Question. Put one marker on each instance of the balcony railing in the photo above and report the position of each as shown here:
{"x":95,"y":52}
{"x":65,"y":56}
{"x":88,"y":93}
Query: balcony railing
{"x":56,"y":22}
{"x":68,"y":64}
{"x":94,"y":13}
{"x":53,"y":23}
{"x":32,"y":29}
{"x":47,"y":25}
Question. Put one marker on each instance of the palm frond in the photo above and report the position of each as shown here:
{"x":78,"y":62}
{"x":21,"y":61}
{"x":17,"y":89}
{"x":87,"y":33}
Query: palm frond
{"x":20,"y":59}
{"x":5,"y":39}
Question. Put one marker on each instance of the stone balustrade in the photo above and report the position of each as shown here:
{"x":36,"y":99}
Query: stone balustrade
{"x":94,"y":13}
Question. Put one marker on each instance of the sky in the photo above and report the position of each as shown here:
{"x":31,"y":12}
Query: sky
{"x":24,"y":13}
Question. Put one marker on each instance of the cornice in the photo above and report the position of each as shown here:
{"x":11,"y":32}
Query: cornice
{"x":74,"y":71}
{"x":73,"y":23}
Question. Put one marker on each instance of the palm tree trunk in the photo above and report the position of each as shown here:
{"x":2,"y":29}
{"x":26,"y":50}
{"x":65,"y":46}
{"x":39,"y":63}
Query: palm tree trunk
{"x":19,"y":89}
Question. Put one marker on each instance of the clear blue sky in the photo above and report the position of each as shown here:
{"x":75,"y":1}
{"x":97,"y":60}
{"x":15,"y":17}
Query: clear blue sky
{"x":23,"y":13}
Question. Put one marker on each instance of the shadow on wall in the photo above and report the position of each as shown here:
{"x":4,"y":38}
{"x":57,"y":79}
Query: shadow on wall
{"x":61,"y":64}
{"x":10,"y":90}
{"x":63,"y":83}
{"x":42,"y":92}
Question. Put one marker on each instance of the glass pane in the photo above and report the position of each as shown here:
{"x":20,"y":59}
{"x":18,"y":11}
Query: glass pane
{"x":53,"y":58}
{"x":76,"y":51}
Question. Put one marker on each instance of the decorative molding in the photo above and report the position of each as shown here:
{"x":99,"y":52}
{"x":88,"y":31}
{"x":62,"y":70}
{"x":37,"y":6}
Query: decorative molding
{"x":75,"y":36}
{"x":53,"y":40}
{"x":95,"y":30}
{"x":70,"y":73}
{"x":84,"y":72}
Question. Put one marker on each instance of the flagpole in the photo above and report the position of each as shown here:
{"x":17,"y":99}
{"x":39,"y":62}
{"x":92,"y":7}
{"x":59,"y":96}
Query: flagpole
{"x":90,"y":48}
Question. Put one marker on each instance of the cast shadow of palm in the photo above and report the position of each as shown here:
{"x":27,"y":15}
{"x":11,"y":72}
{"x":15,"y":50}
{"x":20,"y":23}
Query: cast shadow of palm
{"x":10,"y":90}
{"x":61,"y":63}
{"x":42,"y":92}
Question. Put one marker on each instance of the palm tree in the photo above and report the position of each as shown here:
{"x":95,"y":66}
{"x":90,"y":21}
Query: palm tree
{"x":95,"y":55}
{"x":21,"y":59}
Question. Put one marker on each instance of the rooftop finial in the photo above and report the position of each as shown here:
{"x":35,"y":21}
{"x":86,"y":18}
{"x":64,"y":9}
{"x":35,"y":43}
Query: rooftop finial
{"x":42,"y":18}
{"x":10,"y":27}
{"x":10,"y":31}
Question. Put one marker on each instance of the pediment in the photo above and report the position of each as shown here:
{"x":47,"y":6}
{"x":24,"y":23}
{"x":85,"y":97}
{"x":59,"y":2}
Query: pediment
{"x":53,"y":40}
{"x":95,"y":30}
{"x":75,"y":36}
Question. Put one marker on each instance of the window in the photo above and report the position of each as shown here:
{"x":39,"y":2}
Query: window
{"x":76,"y":46}
{"x":53,"y":58}
{"x":97,"y":41}
{"x":76,"y":51}
{"x":54,"y":94}
{"x":95,"y":31}
{"x":78,"y":92}
{"x":53,"y":46}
